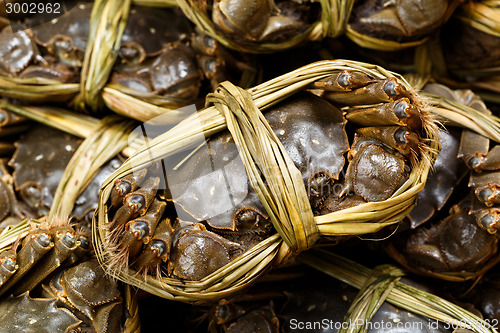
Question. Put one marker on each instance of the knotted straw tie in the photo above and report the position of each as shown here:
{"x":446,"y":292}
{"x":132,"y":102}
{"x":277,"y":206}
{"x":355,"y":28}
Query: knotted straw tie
{"x":281,"y":188}
{"x":106,"y":27}
{"x":370,"y":298}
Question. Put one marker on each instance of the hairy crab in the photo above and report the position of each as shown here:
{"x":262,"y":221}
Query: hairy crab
{"x":167,"y":63}
{"x":196,"y":231}
{"x":262,"y":20}
{"x":400,"y":20}
{"x":292,"y":303}
{"x":39,"y":161}
{"x":459,"y":245}
{"x":41,"y":158}
{"x":80,"y":298}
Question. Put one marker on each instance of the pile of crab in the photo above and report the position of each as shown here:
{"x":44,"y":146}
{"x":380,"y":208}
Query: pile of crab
{"x":182,"y":225}
{"x":192,"y":213}
{"x":171,"y":63}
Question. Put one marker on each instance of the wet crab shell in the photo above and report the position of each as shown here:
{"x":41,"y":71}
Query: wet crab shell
{"x":312,"y":132}
{"x":468,"y":46}
{"x":398,"y":20}
{"x":257,"y":26}
{"x":77,"y":298}
{"x":263,"y":20}
{"x":146,"y":27}
{"x":209,"y":186}
{"x":39,"y":161}
{"x":458,"y":245}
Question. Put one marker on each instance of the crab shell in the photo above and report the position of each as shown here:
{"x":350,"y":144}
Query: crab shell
{"x":261,"y":20}
{"x":312,"y":132}
{"x":400,"y":20}
{"x":41,"y":157}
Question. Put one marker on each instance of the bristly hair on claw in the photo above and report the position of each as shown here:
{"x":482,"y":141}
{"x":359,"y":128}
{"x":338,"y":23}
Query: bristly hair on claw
{"x":430,"y":126}
{"x":119,"y":260}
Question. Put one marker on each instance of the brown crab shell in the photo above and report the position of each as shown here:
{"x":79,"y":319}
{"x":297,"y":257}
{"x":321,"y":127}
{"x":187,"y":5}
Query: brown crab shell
{"x":39,"y":162}
{"x":312,"y":132}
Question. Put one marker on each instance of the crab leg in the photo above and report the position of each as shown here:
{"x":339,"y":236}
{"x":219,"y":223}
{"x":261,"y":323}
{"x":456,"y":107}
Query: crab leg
{"x":125,"y":185}
{"x":139,"y":230}
{"x":489,"y":219}
{"x":473,"y":148}
{"x":343,"y":81}
{"x":34,"y":247}
{"x":136,"y":203}
{"x":489,"y":194}
{"x":399,"y":138}
{"x":400,"y":112}
{"x":158,"y":248}
{"x":64,"y":244}
{"x":84,"y":246}
{"x":8,"y":265}
{"x":379,"y":91}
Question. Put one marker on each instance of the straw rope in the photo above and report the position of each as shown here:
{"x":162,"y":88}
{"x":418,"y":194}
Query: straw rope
{"x":371,"y":296}
{"x":401,"y":294}
{"x":281,"y":189}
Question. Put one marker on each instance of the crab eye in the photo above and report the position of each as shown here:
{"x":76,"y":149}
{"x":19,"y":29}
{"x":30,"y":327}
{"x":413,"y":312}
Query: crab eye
{"x":222,"y":313}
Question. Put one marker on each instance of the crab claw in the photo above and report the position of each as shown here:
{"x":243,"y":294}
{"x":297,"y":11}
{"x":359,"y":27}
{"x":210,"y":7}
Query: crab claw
{"x":400,"y":112}
{"x":376,"y":92}
{"x":136,"y":203}
{"x":374,"y":173}
{"x":125,"y":185}
{"x":139,"y":230}
{"x":489,"y":194}
{"x":158,"y":248}
{"x":198,"y":253}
